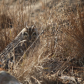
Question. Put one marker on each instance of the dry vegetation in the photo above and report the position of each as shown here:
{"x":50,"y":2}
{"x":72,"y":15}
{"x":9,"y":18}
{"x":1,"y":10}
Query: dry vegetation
{"x":61,"y":49}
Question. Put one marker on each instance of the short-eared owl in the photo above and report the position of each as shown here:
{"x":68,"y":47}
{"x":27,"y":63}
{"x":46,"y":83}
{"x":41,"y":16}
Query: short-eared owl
{"x":18,"y":46}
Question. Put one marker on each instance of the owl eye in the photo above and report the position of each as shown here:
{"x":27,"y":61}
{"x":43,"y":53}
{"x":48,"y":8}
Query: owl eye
{"x":34,"y":34}
{"x":25,"y":34}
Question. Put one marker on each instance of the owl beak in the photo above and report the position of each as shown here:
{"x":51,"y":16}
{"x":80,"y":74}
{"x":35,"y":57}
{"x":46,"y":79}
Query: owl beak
{"x":29,"y":37}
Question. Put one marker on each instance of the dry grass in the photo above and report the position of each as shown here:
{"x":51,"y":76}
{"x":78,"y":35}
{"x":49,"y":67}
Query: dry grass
{"x":61,"y":44}
{"x":77,"y":32}
{"x":12,"y":20}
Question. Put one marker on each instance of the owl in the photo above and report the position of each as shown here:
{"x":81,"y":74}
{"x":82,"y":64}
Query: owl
{"x":18,"y":46}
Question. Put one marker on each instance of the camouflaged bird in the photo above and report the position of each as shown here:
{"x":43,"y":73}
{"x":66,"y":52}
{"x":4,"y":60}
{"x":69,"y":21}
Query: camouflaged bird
{"x":18,"y":46}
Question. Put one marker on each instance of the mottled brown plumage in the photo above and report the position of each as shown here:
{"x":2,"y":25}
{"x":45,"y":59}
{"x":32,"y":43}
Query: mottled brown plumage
{"x":18,"y":46}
